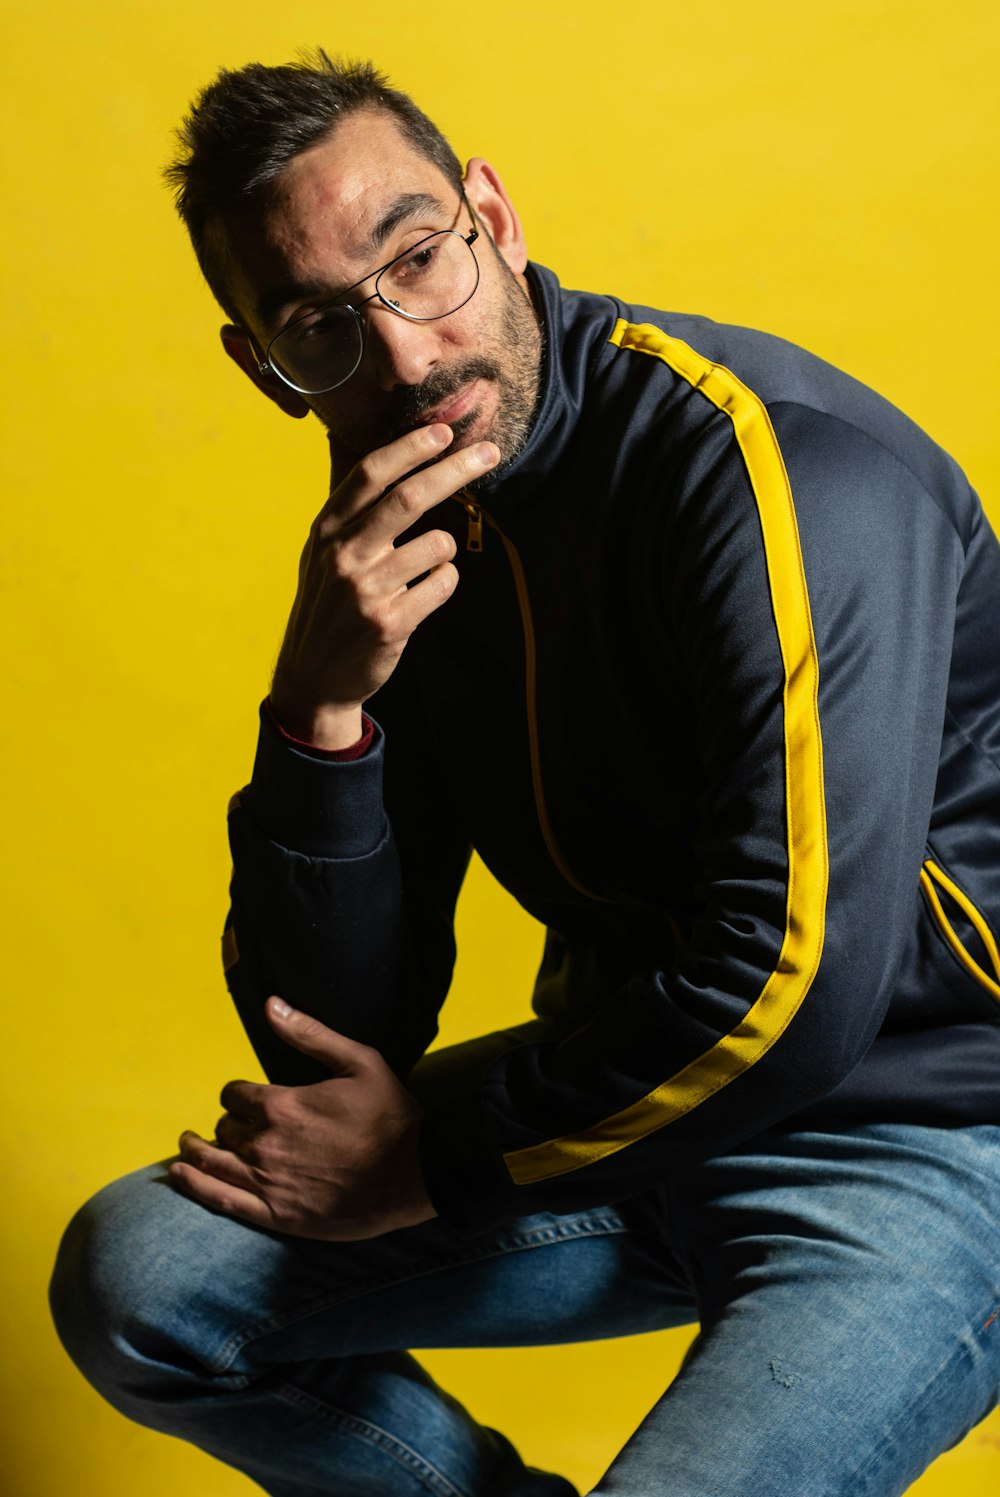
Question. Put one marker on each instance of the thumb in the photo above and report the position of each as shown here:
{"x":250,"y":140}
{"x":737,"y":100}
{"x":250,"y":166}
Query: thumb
{"x":341,"y":1055}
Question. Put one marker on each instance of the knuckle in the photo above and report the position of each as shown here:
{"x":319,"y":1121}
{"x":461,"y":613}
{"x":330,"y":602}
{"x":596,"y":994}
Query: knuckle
{"x":382,"y":625}
{"x":385,"y":639}
{"x":255,"y":1153}
{"x":282,"y":1216}
{"x":366,"y":589}
{"x":366,"y":1057}
{"x":271,"y":1107}
{"x":405,"y":499}
{"x":367,"y":469}
{"x":340,"y":563}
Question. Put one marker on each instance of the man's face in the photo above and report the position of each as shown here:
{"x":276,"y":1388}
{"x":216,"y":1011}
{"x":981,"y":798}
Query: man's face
{"x":338,"y":212}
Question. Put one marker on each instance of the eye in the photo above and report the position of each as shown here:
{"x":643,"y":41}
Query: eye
{"x":418,"y":264}
{"x":326,"y":322}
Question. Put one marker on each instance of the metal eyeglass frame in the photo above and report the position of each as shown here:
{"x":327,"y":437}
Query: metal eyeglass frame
{"x":265,"y":365}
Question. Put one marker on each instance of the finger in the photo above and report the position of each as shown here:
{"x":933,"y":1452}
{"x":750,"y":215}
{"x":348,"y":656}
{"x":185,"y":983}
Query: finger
{"x":341,"y":1055}
{"x":208,"y":1159}
{"x":404,"y":504}
{"x":416,"y":603}
{"x":387,"y":517}
{"x":402,"y":564}
{"x":375,"y":472}
{"x":218,"y":1195}
{"x":236,"y":1134}
{"x":245,"y":1099}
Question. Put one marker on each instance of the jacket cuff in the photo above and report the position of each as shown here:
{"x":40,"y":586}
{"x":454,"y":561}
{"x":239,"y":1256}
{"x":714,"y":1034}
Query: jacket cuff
{"x":353,"y":751}
{"x":466,"y":1180}
{"x":327,"y":808}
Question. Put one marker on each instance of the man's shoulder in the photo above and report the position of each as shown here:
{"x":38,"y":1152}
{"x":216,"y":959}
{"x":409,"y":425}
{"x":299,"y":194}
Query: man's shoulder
{"x":774,"y":369}
{"x":804,"y":395}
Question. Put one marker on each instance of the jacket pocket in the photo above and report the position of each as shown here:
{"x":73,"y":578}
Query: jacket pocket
{"x":934,"y":882}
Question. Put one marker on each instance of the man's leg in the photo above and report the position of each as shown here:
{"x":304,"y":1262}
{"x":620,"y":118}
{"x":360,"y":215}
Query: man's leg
{"x":282,"y":1357}
{"x":849,"y":1286}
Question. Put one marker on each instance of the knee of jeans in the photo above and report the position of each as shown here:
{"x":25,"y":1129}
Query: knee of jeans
{"x":116,"y":1293}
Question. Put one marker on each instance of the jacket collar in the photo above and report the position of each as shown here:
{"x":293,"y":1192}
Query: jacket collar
{"x":576,"y":326}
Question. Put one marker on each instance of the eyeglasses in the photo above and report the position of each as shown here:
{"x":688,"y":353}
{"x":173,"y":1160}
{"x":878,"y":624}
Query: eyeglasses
{"x":429,"y":280}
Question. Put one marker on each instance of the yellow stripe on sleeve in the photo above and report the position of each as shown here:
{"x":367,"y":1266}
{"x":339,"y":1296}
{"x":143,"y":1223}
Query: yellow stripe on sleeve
{"x":808,"y":864}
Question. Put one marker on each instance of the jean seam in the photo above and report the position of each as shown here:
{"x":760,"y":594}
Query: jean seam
{"x":373,"y":1434}
{"x":595,"y":1226}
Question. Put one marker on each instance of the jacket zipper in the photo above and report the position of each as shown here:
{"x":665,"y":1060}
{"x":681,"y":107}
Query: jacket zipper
{"x":931,"y":874}
{"x":474,"y":533}
{"x":476,"y":518}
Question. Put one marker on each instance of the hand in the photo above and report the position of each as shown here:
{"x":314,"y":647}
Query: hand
{"x":354,"y":609}
{"x":336,"y":1161}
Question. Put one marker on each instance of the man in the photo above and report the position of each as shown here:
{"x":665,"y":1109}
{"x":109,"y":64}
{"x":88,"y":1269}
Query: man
{"x":695,"y":639}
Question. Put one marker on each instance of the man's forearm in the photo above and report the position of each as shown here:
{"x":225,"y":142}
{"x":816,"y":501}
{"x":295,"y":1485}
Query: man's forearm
{"x":316,"y":913}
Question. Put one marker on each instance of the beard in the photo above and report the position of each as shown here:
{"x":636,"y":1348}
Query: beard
{"x":511,"y":362}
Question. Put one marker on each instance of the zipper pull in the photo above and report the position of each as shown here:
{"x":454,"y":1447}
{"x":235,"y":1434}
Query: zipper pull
{"x":474,"y":533}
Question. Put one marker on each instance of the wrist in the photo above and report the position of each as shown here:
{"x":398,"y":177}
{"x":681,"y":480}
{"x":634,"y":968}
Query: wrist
{"x":327,"y":728}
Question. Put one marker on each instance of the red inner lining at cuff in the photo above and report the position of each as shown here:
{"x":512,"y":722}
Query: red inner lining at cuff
{"x":353,"y":751}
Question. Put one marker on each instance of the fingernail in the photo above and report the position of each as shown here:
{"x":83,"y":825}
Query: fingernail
{"x":487,"y":453}
{"x":280,"y":1007}
{"x":440,"y":434}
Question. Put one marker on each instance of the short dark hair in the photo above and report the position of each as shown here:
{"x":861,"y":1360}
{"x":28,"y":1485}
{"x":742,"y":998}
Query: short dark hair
{"x":246,"y":126}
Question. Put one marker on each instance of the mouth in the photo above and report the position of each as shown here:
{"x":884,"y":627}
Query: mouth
{"x":453,"y":407}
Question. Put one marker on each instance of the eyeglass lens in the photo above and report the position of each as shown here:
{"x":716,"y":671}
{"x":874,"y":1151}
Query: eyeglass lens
{"x":321,"y":350}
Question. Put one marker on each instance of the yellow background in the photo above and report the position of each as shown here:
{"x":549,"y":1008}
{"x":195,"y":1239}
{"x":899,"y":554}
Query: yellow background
{"x":826,"y":172}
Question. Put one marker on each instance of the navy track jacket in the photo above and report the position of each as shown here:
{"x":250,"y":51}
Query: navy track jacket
{"x":717,"y":699}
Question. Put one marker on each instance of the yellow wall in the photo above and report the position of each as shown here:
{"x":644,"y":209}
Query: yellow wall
{"x":826,"y":172}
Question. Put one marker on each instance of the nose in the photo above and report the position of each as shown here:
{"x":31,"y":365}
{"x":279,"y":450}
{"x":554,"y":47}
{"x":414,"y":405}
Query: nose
{"x":400,"y":351}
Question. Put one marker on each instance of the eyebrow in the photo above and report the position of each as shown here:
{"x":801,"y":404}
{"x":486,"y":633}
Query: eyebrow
{"x":408,"y":205}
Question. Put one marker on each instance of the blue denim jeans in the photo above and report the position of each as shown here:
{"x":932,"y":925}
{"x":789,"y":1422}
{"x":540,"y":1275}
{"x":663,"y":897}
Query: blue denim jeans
{"x":847,"y":1286}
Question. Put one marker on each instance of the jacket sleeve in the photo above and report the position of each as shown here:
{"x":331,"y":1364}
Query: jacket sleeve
{"x":346,"y":916}
{"x":805,"y":584}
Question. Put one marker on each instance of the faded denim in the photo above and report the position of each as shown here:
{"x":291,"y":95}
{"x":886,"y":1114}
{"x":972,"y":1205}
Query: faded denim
{"x":847,"y":1285}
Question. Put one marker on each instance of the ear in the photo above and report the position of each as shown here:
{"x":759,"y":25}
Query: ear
{"x":236,"y":341}
{"x":493,"y":207}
